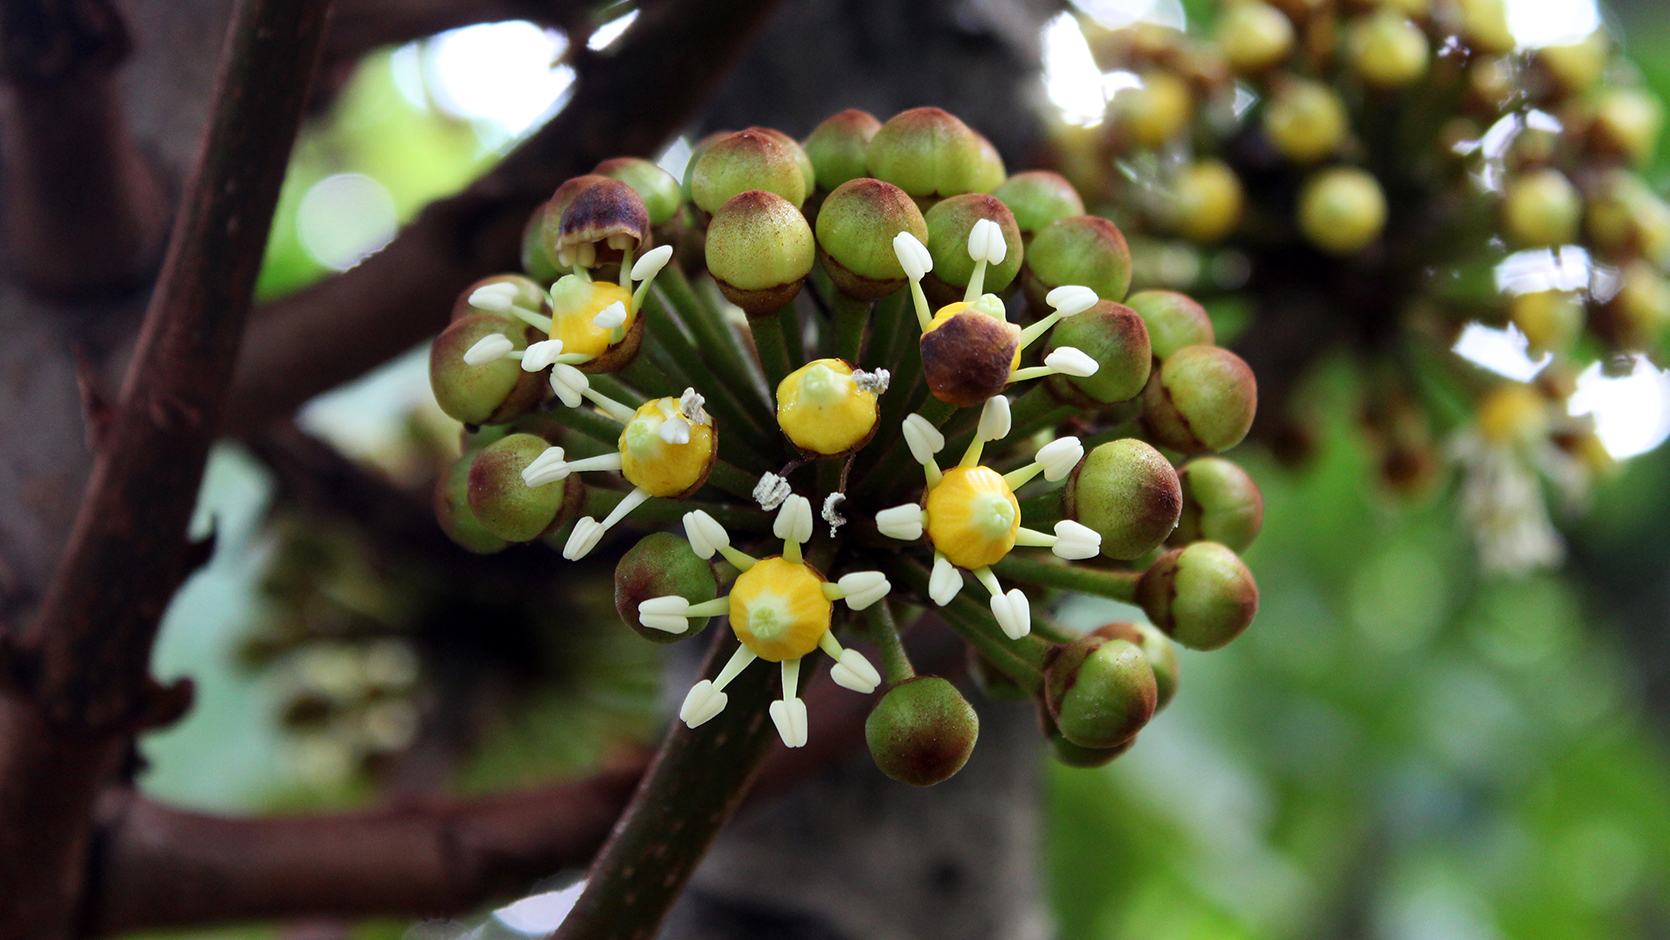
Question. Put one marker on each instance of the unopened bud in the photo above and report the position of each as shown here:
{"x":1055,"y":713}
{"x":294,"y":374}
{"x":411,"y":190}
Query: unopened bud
{"x":661,"y":565}
{"x":1100,"y":691}
{"x":1128,"y":493}
{"x":1080,"y":249}
{"x":929,"y":154}
{"x":856,"y":227}
{"x":1201,"y":399}
{"x":506,"y":505}
{"x":1115,"y":337}
{"x":1174,"y":320}
{"x":490,"y":392}
{"x":1037,"y":198}
{"x":1221,"y":503}
{"x":658,"y":189}
{"x":922,"y":731}
{"x":759,"y":250}
{"x":1202,"y":596}
{"x":839,"y":146}
{"x":951,"y":223}
{"x":452,"y":511}
{"x":745,"y":160}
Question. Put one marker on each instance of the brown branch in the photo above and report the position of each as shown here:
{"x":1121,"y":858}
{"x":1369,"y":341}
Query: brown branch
{"x":85,"y":213}
{"x":629,"y":101}
{"x":65,"y":732}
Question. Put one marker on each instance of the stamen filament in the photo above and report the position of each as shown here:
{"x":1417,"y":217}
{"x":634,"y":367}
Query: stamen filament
{"x":713,"y":608}
{"x":1020,"y":477}
{"x":1032,"y":538}
{"x":610,"y":407}
{"x":739,"y":661}
{"x":741,"y":559}
{"x":988,"y":581}
{"x":791,"y":678}
{"x":538,"y":321}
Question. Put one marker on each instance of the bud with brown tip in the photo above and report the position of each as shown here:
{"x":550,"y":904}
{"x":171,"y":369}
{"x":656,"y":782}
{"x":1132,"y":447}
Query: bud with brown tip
{"x":949,"y":223}
{"x":855,"y":232}
{"x":605,"y":220}
{"x":1200,"y":400}
{"x":506,"y":505}
{"x":660,"y":565}
{"x":1100,"y":691}
{"x":1114,"y":336}
{"x":759,"y":250}
{"x":839,"y":147}
{"x":1037,"y":198}
{"x":1202,"y":596}
{"x":1127,"y":492}
{"x":1080,"y":249}
{"x":748,"y":159}
{"x":930,"y":154}
{"x":1221,"y":503}
{"x":922,"y":731}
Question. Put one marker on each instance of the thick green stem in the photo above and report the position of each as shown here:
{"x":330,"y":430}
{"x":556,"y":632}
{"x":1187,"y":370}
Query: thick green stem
{"x":715,"y":337}
{"x":773,"y":348}
{"x":1021,"y":660}
{"x":733,"y":481}
{"x":884,"y":630}
{"x":851,"y":316}
{"x":1116,"y":585}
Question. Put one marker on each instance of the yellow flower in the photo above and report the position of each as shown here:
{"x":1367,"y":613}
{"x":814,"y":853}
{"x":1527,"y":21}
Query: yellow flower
{"x":823,"y":410}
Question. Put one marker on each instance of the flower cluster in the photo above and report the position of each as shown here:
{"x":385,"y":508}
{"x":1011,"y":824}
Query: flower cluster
{"x":776,"y":341}
{"x":1383,"y":179}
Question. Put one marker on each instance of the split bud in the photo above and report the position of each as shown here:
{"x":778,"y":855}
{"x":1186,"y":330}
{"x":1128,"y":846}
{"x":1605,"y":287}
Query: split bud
{"x":1202,"y":596}
{"x":1100,"y":691}
{"x":1201,"y":399}
{"x":605,"y":220}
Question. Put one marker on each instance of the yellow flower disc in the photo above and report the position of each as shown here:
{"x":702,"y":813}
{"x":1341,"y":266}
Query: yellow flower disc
{"x":823,"y":410}
{"x":575,"y":302}
{"x":973,"y":516}
{"x":947,"y":312}
{"x":664,"y":469}
{"x":778,"y":609}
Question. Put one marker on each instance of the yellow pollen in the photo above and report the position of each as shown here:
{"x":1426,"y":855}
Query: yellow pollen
{"x":574,"y":303}
{"x":778,"y":609}
{"x":664,"y":469}
{"x":973,"y":516}
{"x":822,"y":410}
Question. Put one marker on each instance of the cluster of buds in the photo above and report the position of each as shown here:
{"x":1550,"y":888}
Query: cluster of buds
{"x":1372,"y":178}
{"x":768,"y":390}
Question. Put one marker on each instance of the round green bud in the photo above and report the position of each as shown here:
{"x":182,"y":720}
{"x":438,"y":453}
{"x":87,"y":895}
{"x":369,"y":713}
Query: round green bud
{"x":1157,"y":647}
{"x":1551,"y":320}
{"x":1128,"y":493}
{"x":1221,"y":503}
{"x":949,"y":223}
{"x":1342,"y":210}
{"x":1202,"y":596}
{"x":1206,"y":201}
{"x":856,"y":227}
{"x":452,"y":511}
{"x":1100,"y":691}
{"x":510,"y":508}
{"x":528,"y":296}
{"x":1087,"y":758}
{"x":605,"y":220}
{"x":539,"y":264}
{"x":929,"y":154}
{"x":1201,"y":399}
{"x":1627,"y":123}
{"x":1079,"y":249}
{"x":1037,"y":198}
{"x":659,"y":565}
{"x":1113,"y":335}
{"x":759,"y":250}
{"x":550,"y":218}
{"x":1254,"y":36}
{"x":661,"y":193}
{"x":488,"y":393}
{"x":839,"y":147}
{"x":1484,"y":24}
{"x":1541,"y":209}
{"x":922,"y":731}
{"x":1305,"y":121}
{"x":990,"y":173}
{"x":1387,"y":50}
{"x":808,"y":172}
{"x":1174,"y":320}
{"x":1155,"y":113}
{"x":696,"y":151}
{"x":748,"y":159}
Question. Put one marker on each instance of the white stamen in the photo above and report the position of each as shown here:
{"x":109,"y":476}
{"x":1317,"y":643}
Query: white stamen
{"x":790,"y":719}
{"x":945,"y":581}
{"x":1069,"y":360}
{"x":986,"y":243}
{"x":1060,"y":456}
{"x":832,"y":512}
{"x":794,"y":520}
{"x":674,"y":430}
{"x":569,"y":383}
{"x":701,"y":704}
{"x":994,"y":419}
{"x":705,"y":533}
{"x":497,"y":297}
{"x":863,"y":588}
{"x":913,"y":255}
{"x":541,"y":354}
{"x":651,"y":263}
{"x":771,"y":491}
{"x":587,"y":533}
{"x":612,"y":317}
{"x":1071,"y":299}
{"x":853,"y":671}
{"x":668,"y":613}
{"x":690,"y":406}
{"x":873,"y":382}
{"x":1013,"y":613}
{"x":488,"y":348}
{"x":1075,"y":541}
{"x":923,"y":439}
{"x":901,"y":522}
{"x":548,"y":467}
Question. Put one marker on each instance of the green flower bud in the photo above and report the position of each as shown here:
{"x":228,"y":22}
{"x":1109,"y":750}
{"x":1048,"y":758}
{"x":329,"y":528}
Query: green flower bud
{"x":1305,"y":121}
{"x":808,"y":172}
{"x":489,"y":393}
{"x":929,"y":154}
{"x":1174,"y":320}
{"x":1342,"y":210}
{"x":1037,"y":198}
{"x":1087,"y":757}
{"x":749,"y":159}
{"x":990,"y":172}
{"x":1202,"y":596}
{"x":922,"y":731}
{"x":1484,"y":24}
{"x":759,"y":250}
{"x":949,"y":223}
{"x":510,"y":508}
{"x":1100,"y":691}
{"x":550,"y":218}
{"x":1206,"y":201}
{"x":1221,"y":503}
{"x":452,"y":511}
{"x":1387,"y":50}
{"x":1159,"y":650}
{"x":1201,"y":399}
{"x":1627,"y":123}
{"x":661,"y":193}
{"x":539,"y":264}
{"x":697,"y":149}
{"x":1254,"y":36}
{"x":1128,"y":492}
{"x":1155,"y":113}
{"x":855,"y":231}
{"x":660,"y":565}
{"x":968,"y":354}
{"x":529,"y":296}
{"x":1113,"y":335}
{"x":1552,"y":320}
{"x":839,"y":147}
{"x":605,"y":220}
{"x":1541,"y":209}
{"x":1079,"y":249}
